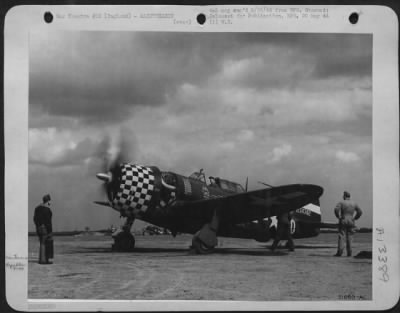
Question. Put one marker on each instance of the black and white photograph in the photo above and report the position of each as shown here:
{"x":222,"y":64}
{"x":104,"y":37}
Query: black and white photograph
{"x":180,"y":126}
{"x":201,"y":165}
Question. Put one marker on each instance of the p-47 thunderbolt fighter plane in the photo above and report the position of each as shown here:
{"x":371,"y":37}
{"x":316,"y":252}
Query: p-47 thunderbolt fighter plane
{"x":206,"y":209}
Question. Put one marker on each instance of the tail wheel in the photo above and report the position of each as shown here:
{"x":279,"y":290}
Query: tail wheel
{"x":200,"y":247}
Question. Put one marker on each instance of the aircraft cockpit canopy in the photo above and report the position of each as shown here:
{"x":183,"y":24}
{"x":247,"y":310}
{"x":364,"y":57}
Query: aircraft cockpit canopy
{"x":226,"y":185}
{"x":218,"y":182}
{"x":230,"y":186}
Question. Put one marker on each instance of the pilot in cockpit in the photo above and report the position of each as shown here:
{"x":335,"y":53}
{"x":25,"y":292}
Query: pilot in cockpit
{"x":212,"y":182}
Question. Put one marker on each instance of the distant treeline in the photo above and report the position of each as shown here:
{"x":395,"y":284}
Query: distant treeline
{"x":359,"y":230}
{"x":107,"y":231}
{"x":365,"y":230}
{"x":72,"y":233}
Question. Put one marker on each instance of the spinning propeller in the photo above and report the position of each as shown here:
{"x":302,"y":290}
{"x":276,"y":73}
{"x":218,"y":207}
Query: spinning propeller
{"x":112,"y":157}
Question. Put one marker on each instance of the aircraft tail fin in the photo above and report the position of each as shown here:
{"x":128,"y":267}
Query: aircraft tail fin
{"x":316,"y":202}
{"x":320,"y":224}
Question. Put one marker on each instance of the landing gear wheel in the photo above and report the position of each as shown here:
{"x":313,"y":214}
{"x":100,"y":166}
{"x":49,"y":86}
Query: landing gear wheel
{"x":199,"y":247}
{"x":123,"y":242}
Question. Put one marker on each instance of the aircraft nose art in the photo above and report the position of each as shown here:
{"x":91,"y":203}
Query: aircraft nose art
{"x":136,"y":188}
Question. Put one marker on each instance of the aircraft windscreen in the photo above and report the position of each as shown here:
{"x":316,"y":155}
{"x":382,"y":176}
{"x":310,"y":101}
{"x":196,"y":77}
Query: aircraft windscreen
{"x":231,"y":186}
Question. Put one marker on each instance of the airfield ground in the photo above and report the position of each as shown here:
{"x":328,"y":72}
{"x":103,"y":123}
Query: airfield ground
{"x":162,"y":268}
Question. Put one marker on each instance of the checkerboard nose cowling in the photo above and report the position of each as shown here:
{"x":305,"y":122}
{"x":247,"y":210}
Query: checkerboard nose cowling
{"x":136,"y":188}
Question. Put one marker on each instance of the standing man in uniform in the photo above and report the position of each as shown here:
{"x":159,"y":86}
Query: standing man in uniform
{"x":42,"y":219}
{"x":344,"y":211}
{"x":283,"y":231}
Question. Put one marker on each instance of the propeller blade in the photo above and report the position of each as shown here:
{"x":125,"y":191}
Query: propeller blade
{"x":110,"y":154}
{"x":126,"y":146}
{"x":104,"y":177}
{"x":102,"y":153}
{"x":104,"y":203}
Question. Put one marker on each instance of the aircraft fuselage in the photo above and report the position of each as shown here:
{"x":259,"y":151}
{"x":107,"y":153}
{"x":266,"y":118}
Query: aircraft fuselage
{"x":156,"y":193}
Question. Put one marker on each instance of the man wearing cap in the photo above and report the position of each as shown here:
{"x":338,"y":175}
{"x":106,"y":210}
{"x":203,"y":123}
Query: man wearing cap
{"x":347,"y":211}
{"x":42,"y":219}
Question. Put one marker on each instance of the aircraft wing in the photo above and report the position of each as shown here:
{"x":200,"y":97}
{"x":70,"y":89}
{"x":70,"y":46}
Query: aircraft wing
{"x":248,"y":206}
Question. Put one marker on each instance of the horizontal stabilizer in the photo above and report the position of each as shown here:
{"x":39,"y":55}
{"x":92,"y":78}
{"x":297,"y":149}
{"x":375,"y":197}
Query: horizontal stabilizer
{"x":321,"y":224}
{"x":105,"y":203}
{"x":328,"y":225}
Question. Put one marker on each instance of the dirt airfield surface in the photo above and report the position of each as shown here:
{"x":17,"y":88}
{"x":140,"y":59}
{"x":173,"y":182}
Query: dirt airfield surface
{"x":163,"y":268}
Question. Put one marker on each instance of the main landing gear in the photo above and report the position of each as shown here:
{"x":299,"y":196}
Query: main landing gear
{"x":123,"y":239}
{"x":205,"y":240}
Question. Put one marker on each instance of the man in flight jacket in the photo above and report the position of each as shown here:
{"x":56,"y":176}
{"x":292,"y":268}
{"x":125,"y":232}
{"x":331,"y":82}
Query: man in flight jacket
{"x":42,"y":219}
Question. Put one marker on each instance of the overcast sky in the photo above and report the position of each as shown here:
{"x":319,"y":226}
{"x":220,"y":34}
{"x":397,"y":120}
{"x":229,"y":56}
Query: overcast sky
{"x":278,"y":108}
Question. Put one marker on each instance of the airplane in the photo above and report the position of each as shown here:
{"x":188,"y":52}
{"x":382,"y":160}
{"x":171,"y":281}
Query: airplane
{"x":207,"y":210}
